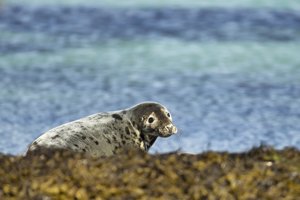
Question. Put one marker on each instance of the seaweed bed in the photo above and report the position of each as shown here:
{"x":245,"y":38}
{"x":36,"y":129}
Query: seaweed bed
{"x":261,"y":173}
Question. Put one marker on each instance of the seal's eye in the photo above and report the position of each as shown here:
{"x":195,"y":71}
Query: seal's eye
{"x":151,"y":119}
{"x":168,"y":114}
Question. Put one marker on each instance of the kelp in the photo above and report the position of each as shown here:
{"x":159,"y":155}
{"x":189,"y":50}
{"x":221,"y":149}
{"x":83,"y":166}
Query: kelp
{"x":261,"y":173}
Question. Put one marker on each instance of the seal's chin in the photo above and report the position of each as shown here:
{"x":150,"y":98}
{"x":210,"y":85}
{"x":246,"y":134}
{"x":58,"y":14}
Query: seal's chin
{"x":165,"y":134}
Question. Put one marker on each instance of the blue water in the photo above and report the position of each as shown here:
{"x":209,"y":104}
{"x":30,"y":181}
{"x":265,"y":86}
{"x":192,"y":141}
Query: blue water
{"x":213,"y":110}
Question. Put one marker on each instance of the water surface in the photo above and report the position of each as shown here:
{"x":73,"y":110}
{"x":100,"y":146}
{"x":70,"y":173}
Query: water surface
{"x":229,"y":76}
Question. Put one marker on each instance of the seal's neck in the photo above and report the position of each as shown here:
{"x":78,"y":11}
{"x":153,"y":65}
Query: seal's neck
{"x":148,"y":140}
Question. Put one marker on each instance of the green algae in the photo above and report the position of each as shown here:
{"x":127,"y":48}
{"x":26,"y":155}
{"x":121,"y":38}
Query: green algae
{"x":262,"y":173}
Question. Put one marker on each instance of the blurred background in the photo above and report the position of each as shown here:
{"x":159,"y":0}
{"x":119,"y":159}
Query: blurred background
{"x":229,"y":71}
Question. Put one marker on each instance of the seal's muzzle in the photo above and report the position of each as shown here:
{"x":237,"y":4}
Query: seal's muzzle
{"x":167,"y":130}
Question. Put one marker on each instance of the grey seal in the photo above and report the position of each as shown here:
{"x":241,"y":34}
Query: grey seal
{"x":103,"y":134}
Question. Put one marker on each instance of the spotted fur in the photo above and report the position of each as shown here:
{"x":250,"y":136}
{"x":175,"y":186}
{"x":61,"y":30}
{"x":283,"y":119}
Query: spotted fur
{"x":103,"y":134}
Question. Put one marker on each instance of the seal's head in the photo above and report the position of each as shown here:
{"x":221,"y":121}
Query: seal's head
{"x":153,"y":119}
